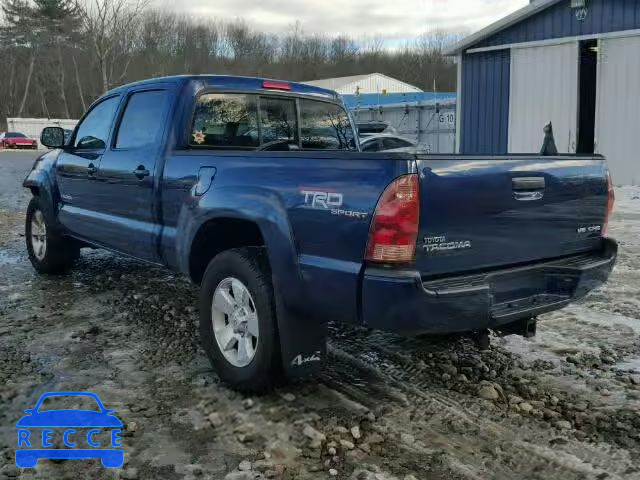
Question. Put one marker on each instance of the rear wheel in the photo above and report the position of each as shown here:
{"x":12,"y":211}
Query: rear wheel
{"x":49,"y":253}
{"x":237,"y":320}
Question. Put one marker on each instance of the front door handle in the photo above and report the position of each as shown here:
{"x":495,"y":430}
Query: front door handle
{"x":141,"y":172}
{"x":91,"y":169}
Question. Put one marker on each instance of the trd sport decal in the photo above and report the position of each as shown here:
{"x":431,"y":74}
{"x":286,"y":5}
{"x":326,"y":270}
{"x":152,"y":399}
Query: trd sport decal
{"x":318,"y":199}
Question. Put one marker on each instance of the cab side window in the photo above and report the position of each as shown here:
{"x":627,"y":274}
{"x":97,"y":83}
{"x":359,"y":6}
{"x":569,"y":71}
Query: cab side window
{"x":225,"y":120}
{"x":141,"y":121}
{"x":93,"y":132}
{"x":325,"y":126}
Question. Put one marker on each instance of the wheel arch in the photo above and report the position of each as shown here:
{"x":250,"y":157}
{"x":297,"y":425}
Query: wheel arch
{"x":217,"y":234}
{"x":41,"y":182}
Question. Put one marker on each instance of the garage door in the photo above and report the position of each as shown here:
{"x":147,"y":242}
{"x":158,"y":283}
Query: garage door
{"x":544,"y":87}
{"x":618,"y":108}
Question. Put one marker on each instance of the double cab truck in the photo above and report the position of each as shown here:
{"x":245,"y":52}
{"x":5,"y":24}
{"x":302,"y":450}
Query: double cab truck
{"x":257,"y":190}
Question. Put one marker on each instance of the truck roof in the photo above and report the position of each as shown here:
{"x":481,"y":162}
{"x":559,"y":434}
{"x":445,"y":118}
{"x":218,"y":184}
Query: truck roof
{"x":237,"y":83}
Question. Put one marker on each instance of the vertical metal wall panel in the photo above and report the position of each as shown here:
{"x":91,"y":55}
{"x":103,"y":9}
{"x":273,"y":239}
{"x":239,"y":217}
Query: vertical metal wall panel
{"x":559,"y":20}
{"x":485,"y":102}
{"x":618,"y":108}
{"x":544,"y":88}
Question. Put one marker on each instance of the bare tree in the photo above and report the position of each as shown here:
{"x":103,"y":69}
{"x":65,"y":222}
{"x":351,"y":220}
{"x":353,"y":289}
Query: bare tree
{"x":78,"y":82}
{"x":21,"y":31}
{"x":112,"y":26}
{"x":53,"y":65}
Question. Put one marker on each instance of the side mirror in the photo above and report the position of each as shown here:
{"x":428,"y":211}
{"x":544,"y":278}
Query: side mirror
{"x":52,"y":137}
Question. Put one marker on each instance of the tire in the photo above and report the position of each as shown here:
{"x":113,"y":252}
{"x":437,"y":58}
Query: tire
{"x":49,"y":252}
{"x":246,"y":369}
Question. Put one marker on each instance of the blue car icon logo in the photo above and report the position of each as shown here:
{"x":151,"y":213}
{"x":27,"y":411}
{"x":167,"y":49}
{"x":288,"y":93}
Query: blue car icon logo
{"x":38,"y":428}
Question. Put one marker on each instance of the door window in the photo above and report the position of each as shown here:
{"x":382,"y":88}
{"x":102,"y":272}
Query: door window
{"x":93,"y":132}
{"x":142,"y":119}
{"x":325,"y":126}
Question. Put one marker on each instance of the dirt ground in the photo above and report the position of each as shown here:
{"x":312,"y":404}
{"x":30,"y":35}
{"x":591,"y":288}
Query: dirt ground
{"x":564,"y":405}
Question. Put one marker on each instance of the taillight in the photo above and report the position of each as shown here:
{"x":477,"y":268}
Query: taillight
{"x":394,"y":228}
{"x":611,"y":200}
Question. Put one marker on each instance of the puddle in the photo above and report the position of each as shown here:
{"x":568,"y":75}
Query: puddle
{"x":7,"y":258}
{"x":632,"y":366}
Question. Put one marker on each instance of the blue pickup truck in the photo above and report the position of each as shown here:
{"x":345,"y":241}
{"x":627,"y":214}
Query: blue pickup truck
{"x":256,"y":189}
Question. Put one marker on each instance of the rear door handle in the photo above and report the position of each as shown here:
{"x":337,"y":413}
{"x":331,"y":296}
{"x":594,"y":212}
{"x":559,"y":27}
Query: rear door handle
{"x":528,"y":184}
{"x":141,"y":172}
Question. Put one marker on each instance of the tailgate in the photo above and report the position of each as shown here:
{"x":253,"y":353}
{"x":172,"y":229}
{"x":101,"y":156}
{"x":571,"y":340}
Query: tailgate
{"x":488,"y":212}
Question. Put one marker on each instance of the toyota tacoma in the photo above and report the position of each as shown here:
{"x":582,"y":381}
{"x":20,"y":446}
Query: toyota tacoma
{"x":257,"y":190}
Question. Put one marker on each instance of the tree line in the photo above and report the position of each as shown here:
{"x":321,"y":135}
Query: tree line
{"x":57,"y":56}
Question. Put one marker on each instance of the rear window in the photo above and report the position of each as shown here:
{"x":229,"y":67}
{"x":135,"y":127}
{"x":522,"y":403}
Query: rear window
{"x":15,"y":135}
{"x":248,"y":121}
{"x":278,"y":122}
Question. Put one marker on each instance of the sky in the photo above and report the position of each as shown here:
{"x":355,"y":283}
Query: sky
{"x":393,"y":21}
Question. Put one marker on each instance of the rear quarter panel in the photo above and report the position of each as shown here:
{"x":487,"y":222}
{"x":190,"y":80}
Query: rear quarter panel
{"x":316,"y":248}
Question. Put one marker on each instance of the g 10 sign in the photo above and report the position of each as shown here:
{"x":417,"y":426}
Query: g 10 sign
{"x":41,"y":427}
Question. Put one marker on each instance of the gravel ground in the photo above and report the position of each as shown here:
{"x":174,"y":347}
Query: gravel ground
{"x":564,"y":405}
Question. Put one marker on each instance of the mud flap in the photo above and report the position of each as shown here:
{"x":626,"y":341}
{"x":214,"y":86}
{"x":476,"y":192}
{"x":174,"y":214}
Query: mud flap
{"x":303,"y":342}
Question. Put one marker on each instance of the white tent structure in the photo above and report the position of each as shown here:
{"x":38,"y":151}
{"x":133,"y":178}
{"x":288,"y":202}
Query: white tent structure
{"x":363,"y":84}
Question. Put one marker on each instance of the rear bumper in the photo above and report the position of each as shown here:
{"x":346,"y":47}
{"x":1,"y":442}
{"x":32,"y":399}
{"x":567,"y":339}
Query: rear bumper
{"x":404,"y":303}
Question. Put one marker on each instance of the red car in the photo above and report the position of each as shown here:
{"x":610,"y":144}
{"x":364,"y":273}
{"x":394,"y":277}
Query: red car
{"x":17,"y":140}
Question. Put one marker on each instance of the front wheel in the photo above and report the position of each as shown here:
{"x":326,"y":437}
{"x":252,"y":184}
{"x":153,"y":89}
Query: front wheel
{"x":237,"y":320}
{"x":49,"y":252}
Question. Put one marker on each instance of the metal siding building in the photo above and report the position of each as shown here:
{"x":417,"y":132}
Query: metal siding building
{"x":431,"y":124}
{"x":369,"y":100}
{"x":573,"y":62}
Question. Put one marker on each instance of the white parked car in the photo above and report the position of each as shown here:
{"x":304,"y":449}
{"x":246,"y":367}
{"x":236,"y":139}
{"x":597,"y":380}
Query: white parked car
{"x":386,"y":142}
